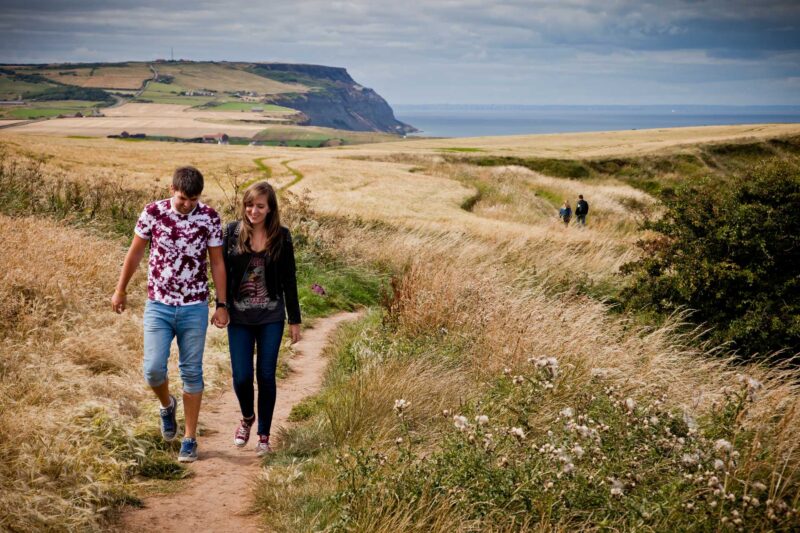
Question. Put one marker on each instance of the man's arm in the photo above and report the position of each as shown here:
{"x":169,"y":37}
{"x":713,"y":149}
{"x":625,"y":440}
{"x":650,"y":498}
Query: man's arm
{"x":132,"y":259}
{"x":220,"y":318}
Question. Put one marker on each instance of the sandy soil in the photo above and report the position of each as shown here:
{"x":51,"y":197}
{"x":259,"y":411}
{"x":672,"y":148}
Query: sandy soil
{"x":217,"y":496}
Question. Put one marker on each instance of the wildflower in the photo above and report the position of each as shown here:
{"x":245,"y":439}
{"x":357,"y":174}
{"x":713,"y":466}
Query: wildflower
{"x":578,"y":451}
{"x":460,"y":422}
{"x":630,"y":405}
{"x":518,"y":433}
{"x":567,"y":468}
{"x":446,"y":413}
{"x":518,"y":379}
{"x":398,"y":441}
{"x":752,"y":385}
{"x":759,"y":486}
{"x":482,"y":420}
{"x":400,"y":406}
{"x":548,"y":485}
{"x":690,"y":459}
{"x":567,"y":412}
{"x":616,"y":487}
{"x":654,"y":420}
{"x":503,"y":461}
{"x":722,"y":445}
{"x":691,"y":423}
{"x":506,"y":371}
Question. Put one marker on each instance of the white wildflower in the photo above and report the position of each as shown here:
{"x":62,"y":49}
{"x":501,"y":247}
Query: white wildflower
{"x":616,"y":487}
{"x":460,"y":422}
{"x":506,"y":371}
{"x":518,"y":379}
{"x":722,"y":445}
{"x":578,"y":451}
{"x":630,"y":404}
{"x":400,"y":406}
{"x":759,"y":486}
{"x":567,"y":412}
{"x":482,"y":420}
{"x":690,"y":459}
{"x":398,"y":441}
{"x":517,"y":432}
{"x":719,"y":464}
{"x":654,"y":420}
{"x":567,"y":468}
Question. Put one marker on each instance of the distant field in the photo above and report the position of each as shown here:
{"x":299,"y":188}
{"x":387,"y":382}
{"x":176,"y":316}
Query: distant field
{"x":217,"y":77}
{"x":169,"y":93}
{"x":117,"y":77}
{"x":48,"y":109}
{"x":11,"y":89}
{"x":248,"y":106}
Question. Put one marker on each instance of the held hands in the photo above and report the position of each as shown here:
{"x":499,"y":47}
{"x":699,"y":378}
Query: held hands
{"x":119,"y":301}
{"x":220,"y":318}
{"x":294,"y":332}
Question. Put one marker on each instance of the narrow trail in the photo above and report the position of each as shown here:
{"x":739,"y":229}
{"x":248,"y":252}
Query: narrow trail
{"x":218,"y":495}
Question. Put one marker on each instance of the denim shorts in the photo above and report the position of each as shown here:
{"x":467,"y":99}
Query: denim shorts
{"x":162,"y":323}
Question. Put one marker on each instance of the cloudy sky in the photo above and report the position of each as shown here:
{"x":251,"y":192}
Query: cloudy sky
{"x":450,"y":51}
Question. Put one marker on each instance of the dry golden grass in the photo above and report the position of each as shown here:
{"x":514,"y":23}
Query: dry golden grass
{"x":222,"y":77}
{"x":128,"y":77}
{"x":482,"y":279}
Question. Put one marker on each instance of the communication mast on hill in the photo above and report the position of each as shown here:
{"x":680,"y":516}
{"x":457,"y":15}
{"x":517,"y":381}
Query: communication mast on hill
{"x":171,"y":54}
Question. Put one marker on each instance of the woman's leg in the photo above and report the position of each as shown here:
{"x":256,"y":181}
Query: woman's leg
{"x":269,"y":343}
{"x":241,"y":340}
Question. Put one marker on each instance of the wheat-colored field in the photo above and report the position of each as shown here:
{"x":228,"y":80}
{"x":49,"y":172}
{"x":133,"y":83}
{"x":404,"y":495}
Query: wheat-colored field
{"x":484,"y":262}
{"x":131,"y":76}
{"x":221,"y":77}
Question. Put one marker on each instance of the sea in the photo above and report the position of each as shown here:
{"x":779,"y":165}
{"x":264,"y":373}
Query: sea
{"x":486,"y":120}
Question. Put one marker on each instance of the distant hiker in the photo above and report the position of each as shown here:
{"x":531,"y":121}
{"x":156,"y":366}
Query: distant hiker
{"x":581,"y":210}
{"x":565,"y":213}
{"x":181,"y":231}
{"x":259,"y":261}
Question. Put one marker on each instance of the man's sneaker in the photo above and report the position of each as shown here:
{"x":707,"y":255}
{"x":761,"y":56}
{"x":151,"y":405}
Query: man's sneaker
{"x":188,"y":453}
{"x":242,"y":434}
{"x":263,"y":447}
{"x":169,"y":425}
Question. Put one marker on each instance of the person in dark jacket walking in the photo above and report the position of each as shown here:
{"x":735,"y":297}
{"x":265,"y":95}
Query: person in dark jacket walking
{"x":565,"y":213}
{"x":262,"y":294}
{"x":581,"y":210}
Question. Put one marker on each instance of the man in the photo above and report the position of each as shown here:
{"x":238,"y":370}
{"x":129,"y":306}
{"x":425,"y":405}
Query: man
{"x":581,"y":210}
{"x":181,"y":231}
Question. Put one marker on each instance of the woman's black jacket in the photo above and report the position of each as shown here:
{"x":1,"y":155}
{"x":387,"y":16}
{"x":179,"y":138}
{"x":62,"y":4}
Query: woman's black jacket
{"x":279,"y":276}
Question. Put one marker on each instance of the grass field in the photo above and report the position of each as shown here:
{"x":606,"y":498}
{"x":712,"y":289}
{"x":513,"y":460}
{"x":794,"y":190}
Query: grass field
{"x":11,"y":89}
{"x":48,"y":109}
{"x":248,"y":106}
{"x":169,"y":93}
{"x":222,"y":77}
{"x":659,"y":433}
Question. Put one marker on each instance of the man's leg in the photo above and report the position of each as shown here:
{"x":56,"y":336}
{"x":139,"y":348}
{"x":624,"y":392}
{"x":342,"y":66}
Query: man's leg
{"x":191,"y":333}
{"x":159,"y":330}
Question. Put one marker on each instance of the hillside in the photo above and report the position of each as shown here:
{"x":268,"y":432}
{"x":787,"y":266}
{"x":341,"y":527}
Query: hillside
{"x":315,"y":95}
{"x":490,"y":385}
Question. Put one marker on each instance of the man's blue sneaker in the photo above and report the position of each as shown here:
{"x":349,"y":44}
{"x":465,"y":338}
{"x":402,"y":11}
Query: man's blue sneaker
{"x":169,"y":425}
{"x":188,"y":452}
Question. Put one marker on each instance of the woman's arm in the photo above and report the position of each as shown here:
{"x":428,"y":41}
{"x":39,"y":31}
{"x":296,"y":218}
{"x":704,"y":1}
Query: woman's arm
{"x":289,"y":282}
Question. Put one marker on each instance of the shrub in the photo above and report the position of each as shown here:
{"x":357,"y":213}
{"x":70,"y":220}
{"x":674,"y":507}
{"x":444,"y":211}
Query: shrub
{"x":730,"y":253}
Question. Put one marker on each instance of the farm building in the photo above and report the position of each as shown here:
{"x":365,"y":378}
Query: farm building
{"x":219,"y":138}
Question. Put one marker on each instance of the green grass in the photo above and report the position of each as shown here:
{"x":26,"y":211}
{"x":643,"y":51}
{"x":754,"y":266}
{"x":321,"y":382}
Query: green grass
{"x":458,"y":149}
{"x":48,"y":109}
{"x":10,"y":88}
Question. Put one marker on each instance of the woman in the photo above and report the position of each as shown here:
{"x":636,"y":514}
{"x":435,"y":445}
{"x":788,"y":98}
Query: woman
{"x":565,"y":212}
{"x":262,"y":292}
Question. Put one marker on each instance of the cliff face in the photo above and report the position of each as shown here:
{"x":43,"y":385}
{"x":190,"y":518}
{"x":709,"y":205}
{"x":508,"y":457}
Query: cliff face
{"x":335,"y":99}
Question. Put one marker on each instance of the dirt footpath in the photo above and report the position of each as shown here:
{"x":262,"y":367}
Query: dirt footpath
{"x":218,"y":495}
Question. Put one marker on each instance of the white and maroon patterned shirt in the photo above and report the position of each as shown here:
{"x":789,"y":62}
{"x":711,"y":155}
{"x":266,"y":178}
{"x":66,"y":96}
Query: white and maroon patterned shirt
{"x":178,"y":247}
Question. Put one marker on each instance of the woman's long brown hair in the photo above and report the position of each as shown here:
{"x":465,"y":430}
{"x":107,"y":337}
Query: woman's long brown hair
{"x":272,"y":222}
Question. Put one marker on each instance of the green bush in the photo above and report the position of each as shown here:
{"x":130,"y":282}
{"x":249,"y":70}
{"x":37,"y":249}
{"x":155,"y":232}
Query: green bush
{"x":731,"y":254}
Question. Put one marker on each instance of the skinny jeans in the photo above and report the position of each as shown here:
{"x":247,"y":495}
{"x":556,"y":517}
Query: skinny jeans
{"x":262,"y":341}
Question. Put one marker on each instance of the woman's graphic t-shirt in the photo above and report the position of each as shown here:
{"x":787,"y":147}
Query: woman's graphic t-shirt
{"x":254,"y":305}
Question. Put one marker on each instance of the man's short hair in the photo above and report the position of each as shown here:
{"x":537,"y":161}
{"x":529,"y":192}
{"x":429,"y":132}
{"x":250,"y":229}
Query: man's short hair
{"x":580,"y":196}
{"x":188,"y":180}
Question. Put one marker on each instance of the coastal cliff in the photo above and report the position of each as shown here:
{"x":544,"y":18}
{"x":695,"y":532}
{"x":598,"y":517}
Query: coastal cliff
{"x":335,"y":99}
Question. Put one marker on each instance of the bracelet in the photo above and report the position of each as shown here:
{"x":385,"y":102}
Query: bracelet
{"x":121,"y":293}
{"x":223,"y":305}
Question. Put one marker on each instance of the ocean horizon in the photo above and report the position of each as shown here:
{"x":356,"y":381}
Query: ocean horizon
{"x":447,"y":120}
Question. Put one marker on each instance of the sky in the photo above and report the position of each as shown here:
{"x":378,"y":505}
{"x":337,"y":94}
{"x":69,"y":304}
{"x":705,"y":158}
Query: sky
{"x":537,"y":52}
